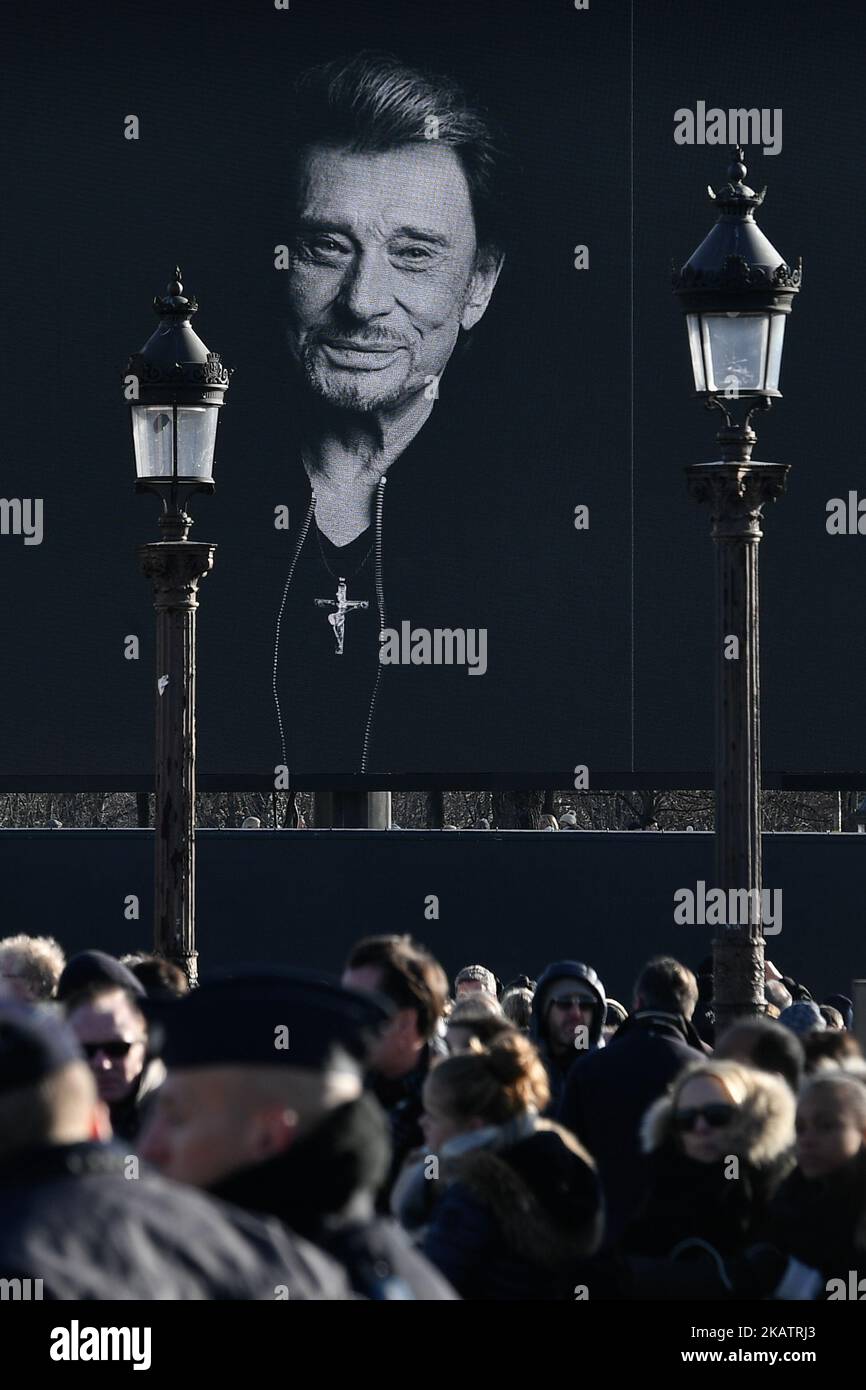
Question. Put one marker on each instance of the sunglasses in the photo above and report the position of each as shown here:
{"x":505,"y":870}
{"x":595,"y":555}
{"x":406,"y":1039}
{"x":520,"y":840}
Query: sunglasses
{"x":118,"y":1049}
{"x":717,"y":1115}
{"x":579,"y":999}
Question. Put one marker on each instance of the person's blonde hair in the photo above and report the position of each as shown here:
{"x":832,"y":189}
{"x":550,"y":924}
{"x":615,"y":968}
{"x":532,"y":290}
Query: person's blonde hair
{"x":762,"y":1127}
{"x":736,"y":1078}
{"x":41,"y":961}
{"x":492,"y":1083}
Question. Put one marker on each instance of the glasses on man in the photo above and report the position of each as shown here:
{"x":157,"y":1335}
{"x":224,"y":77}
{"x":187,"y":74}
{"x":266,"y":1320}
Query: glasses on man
{"x":568,"y":1001}
{"x":717,"y":1115}
{"x":115,"y":1049}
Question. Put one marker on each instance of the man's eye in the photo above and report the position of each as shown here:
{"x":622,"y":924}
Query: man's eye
{"x":320,"y":247}
{"x":413,"y":253}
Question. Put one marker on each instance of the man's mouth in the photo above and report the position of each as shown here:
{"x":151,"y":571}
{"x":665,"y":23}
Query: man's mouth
{"x":366,"y":356}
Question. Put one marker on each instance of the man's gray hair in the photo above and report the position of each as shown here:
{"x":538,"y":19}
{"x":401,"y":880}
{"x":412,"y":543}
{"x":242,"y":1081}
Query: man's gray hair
{"x":40,"y":960}
{"x":373,"y":102}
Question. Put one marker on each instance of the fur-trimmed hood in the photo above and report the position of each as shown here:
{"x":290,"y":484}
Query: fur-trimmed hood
{"x":533,"y":1176}
{"x":761,"y":1133}
{"x":543,"y":1193}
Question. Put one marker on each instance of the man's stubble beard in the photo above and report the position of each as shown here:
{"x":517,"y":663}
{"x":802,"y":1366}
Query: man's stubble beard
{"x":349,"y":396}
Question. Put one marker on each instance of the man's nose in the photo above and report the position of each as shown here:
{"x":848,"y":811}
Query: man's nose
{"x":367,"y":291}
{"x":100,"y":1061}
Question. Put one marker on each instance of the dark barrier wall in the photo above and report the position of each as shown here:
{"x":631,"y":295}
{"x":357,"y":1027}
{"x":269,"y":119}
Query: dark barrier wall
{"x":512,"y":900}
{"x":577,"y":394}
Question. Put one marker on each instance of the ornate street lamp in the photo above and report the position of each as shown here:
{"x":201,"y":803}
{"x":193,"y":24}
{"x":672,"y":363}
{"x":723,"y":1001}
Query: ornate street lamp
{"x":736,"y":291}
{"x":175,"y":387}
{"x":179,"y":387}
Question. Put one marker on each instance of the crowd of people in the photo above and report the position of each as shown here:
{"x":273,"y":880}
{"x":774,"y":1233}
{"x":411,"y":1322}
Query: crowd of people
{"x":278,"y":1133}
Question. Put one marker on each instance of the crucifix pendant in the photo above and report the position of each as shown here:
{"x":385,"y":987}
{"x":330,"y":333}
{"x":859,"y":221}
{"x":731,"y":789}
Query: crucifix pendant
{"x":341,"y":606}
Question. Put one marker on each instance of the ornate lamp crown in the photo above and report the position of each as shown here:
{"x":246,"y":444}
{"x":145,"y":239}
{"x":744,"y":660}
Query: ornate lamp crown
{"x":735,"y":196}
{"x":736,"y":258}
{"x":175,"y":304}
{"x":175,"y":357}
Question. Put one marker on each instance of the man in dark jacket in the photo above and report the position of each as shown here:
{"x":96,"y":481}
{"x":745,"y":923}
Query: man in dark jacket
{"x":263,"y":1106}
{"x":79,"y":1221}
{"x":112,"y":1032}
{"x":408,"y":552}
{"x":568,"y":1013}
{"x":607,"y":1094}
{"x":397,"y":969}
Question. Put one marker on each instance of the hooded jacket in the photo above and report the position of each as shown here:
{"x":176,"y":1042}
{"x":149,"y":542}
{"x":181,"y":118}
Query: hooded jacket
{"x":558,"y":1067}
{"x":691,"y":1201}
{"x":514,"y":1211}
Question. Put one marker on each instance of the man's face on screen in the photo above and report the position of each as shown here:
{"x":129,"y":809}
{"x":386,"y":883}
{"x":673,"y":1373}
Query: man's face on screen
{"x":383,"y":272}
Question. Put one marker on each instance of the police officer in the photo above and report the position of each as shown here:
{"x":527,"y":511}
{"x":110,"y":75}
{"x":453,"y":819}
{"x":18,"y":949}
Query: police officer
{"x":264,"y":1106}
{"x":77,"y":1213}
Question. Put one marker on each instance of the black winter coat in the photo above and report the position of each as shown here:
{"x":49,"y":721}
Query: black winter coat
{"x":687,"y":1200}
{"x":516,"y":1224}
{"x":401,"y":1099}
{"x":70,"y":1217}
{"x":606,"y":1096}
{"x":822,"y":1221}
{"x":324,"y":1186}
{"x":721,"y":1207}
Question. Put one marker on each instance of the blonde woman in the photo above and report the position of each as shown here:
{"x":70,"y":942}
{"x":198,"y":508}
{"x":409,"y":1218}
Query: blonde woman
{"x":505,"y":1203}
{"x":718,"y":1145}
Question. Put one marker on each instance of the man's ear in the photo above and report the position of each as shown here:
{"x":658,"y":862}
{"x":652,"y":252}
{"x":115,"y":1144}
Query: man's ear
{"x":481,"y":287}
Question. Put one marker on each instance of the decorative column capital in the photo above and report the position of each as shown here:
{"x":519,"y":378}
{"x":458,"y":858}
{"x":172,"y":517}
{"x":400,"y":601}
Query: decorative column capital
{"x":737,"y":493}
{"x":175,"y":568}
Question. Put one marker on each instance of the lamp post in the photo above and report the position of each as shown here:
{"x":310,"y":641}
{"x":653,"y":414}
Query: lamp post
{"x":175,"y":387}
{"x":736,"y":292}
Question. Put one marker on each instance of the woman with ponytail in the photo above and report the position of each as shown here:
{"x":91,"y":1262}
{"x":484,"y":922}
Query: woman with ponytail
{"x":505,"y":1203}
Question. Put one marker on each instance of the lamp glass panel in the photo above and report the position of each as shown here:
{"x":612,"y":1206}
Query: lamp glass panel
{"x":153,"y":438}
{"x":735,"y":351}
{"x":196,"y":440}
{"x":774,"y":356}
{"x":693,"y":322}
